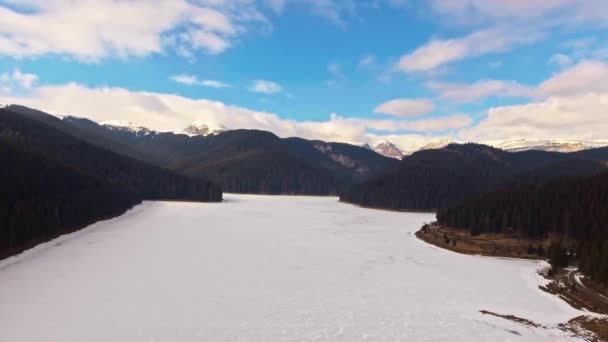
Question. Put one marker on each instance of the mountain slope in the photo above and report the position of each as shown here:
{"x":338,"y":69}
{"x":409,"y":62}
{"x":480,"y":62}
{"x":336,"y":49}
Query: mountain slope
{"x":232,"y":157}
{"x":250,"y":161}
{"x":146,"y":181}
{"x":52,"y":183}
{"x":254,"y":161}
{"x":41,"y":198}
{"x":389,"y":149}
{"x":433,"y":179}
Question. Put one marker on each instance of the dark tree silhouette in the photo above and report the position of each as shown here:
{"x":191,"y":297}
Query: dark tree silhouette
{"x":52,"y":183}
{"x":574,"y":208}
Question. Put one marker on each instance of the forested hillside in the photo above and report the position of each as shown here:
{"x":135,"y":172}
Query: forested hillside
{"x":53,"y":182}
{"x":434,"y":179}
{"x":41,"y":198}
{"x":249,"y":161}
{"x":246,"y":161}
{"x":575,"y":208}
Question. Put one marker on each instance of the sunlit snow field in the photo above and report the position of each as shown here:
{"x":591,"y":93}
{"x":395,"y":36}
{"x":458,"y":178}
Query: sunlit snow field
{"x":258,"y":268}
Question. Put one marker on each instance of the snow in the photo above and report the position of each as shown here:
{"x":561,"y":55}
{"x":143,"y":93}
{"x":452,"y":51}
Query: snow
{"x":555,"y":145}
{"x":125,"y":126}
{"x":439,"y":144}
{"x":257,"y":268}
{"x":388,"y":149}
{"x":200,"y":127}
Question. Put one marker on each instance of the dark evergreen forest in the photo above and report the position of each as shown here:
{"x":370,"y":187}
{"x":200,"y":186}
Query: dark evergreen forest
{"x":435,"y":179}
{"x":241,"y":161}
{"x":52,"y":183}
{"x":575,"y":208}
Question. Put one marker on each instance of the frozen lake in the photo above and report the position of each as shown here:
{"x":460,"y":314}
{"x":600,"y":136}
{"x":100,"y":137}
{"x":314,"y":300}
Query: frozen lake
{"x":258,"y":268}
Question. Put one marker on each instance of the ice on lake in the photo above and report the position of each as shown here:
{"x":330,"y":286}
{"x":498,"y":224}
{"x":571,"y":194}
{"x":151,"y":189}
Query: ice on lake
{"x":258,"y":268}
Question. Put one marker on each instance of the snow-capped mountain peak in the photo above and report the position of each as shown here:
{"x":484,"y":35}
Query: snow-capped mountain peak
{"x":549,"y":145}
{"x":388,"y":149}
{"x":127,"y":126}
{"x":435,"y":145}
{"x":199,"y":127}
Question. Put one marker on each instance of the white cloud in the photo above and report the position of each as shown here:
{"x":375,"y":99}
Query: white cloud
{"x":468,"y":10}
{"x":439,"y":52}
{"x":91,"y":30}
{"x":561,"y":60}
{"x":405,"y":107}
{"x":366,"y":61}
{"x":193,"y":80}
{"x":16,"y":82}
{"x":265,"y":87}
{"x":332,"y":10}
{"x":173,"y":112}
{"x":337,"y":77}
{"x":585,"y":77}
{"x":571,"y":105}
{"x":581,"y":117}
{"x":16,"y":78}
{"x":276,"y":5}
{"x":213,"y":84}
{"x":185,"y":79}
{"x":444,"y":123}
{"x":499,"y":26}
{"x":555,"y":12}
{"x":479,"y":90}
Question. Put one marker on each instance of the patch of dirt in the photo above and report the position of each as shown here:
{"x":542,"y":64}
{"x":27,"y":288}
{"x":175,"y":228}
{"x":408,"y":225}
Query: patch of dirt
{"x":593,"y":329}
{"x":580,"y":298}
{"x":497,"y":245}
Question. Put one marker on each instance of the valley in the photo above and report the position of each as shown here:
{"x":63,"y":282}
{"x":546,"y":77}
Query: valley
{"x":64,"y":174}
{"x":260,"y":268}
{"x":303,"y":170}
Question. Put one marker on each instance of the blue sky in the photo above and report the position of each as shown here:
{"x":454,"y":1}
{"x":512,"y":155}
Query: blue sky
{"x":408,"y":71}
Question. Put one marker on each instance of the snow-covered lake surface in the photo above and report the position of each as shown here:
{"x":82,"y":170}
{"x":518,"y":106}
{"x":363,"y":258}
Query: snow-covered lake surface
{"x":260,"y":268}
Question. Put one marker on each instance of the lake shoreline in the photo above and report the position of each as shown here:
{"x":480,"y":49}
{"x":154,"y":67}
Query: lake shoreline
{"x":455,"y":240}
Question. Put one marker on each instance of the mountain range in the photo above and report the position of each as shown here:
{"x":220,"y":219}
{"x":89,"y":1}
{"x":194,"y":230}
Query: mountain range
{"x":437,"y":178}
{"x":244,"y":161}
{"x":253,"y":161}
{"x":391,"y":150}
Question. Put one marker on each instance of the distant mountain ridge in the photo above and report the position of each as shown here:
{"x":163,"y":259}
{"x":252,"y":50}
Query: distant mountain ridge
{"x":520,"y":145}
{"x":437,"y":178}
{"x":388,"y":149}
{"x":243,"y":161}
{"x":550,"y":145}
{"x":199,"y":127}
{"x":126,"y":126}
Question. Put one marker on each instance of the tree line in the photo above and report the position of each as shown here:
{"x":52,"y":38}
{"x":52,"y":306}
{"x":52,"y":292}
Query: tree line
{"x":575,"y":208}
{"x":52,"y":183}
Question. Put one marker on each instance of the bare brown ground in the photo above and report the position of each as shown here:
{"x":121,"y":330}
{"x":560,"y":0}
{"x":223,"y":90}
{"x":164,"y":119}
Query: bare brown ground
{"x":497,"y":245}
{"x":593,"y":329}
